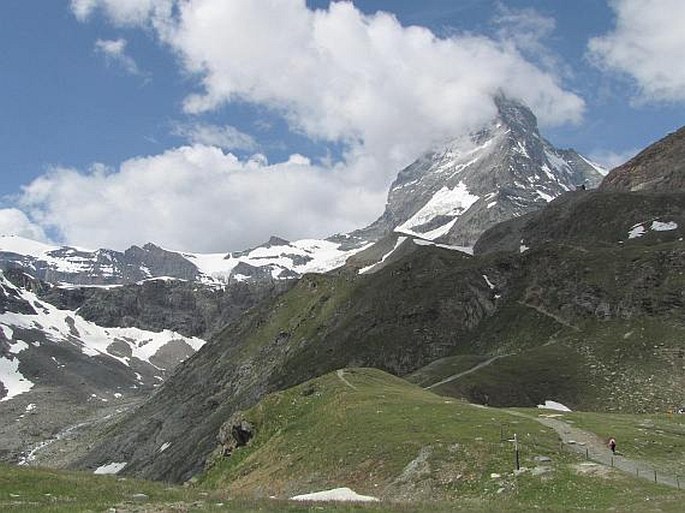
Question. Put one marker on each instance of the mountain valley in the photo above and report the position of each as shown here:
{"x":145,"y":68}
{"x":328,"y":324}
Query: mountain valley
{"x":503,"y":272}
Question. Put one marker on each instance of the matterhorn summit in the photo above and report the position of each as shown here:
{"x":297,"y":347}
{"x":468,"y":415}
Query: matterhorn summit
{"x":452,"y":194}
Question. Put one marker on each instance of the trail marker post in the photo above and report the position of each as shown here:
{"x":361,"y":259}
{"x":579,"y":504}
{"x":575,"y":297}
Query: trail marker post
{"x":516,"y":450}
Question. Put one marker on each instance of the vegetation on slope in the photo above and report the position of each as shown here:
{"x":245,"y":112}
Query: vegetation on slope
{"x":383,"y":437}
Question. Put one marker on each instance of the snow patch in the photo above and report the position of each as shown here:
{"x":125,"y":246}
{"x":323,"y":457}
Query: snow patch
{"x":544,"y":195}
{"x":488,"y":282}
{"x":18,"y":347}
{"x":446,"y":202}
{"x":463,"y":249}
{"x":659,"y":226}
{"x":636,"y":231}
{"x":7,"y":331}
{"x":59,"y":326}
{"x":110,"y":468}
{"x":337,"y":494}
{"x":553,"y":405}
{"x":13,"y":381}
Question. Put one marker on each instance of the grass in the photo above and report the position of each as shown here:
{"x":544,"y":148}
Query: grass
{"x":25,"y":489}
{"x":392,"y":440}
{"x":380,"y":436}
{"x":551,"y":371}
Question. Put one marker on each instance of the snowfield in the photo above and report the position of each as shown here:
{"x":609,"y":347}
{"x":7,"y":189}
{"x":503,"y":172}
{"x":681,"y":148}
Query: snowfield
{"x":337,"y":494}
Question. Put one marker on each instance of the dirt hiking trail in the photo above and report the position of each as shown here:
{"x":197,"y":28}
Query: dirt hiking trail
{"x":579,"y":440}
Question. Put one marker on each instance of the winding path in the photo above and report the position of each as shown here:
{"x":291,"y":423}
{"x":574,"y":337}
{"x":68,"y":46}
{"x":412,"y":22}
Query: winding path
{"x":468,"y":371}
{"x":580,"y":440}
{"x":341,"y":375}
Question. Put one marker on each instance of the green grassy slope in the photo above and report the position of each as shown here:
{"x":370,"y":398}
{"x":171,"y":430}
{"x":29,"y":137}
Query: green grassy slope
{"x":383,"y":437}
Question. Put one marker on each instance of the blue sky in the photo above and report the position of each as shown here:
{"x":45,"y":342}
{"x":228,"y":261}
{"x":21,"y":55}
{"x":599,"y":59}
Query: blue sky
{"x":128,"y":121}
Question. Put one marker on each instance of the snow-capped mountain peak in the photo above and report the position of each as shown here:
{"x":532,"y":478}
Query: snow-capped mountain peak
{"x":454,"y":193}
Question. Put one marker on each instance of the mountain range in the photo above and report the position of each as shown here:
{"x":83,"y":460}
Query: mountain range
{"x":576,"y":299}
{"x":580,"y":303}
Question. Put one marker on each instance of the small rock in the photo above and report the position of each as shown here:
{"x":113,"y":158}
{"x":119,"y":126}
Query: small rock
{"x":495,"y":475}
{"x":140,"y":497}
{"x":538,"y":471}
{"x":542,"y":459}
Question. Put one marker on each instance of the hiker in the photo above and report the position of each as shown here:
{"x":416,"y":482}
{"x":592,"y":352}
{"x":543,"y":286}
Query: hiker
{"x":612,"y":445}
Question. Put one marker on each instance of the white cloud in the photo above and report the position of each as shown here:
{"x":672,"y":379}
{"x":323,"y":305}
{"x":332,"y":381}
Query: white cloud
{"x":123,"y":12}
{"x":114,"y":52}
{"x":385,"y":91}
{"x":528,"y":30}
{"x":648,"y":44}
{"x":197,"y":197}
{"x":611,"y":159}
{"x":226,"y":137}
{"x":15,"y":222}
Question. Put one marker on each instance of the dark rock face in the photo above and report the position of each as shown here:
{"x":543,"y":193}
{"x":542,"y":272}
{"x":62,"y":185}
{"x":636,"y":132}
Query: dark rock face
{"x":11,"y":301}
{"x":191,"y":309}
{"x":659,"y":168}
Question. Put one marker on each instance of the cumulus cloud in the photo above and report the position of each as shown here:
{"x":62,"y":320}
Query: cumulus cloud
{"x":14,"y":222}
{"x":384,"y":91}
{"x":226,"y":137}
{"x":647,"y":44}
{"x":114,"y":52}
{"x":196,"y":197}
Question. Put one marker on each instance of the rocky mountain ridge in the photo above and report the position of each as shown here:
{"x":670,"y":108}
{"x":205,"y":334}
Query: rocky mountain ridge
{"x":449,"y":196}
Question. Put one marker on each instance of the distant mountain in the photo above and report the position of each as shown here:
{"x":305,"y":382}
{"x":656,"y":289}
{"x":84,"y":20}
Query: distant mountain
{"x":277,"y":259}
{"x":452,"y":195}
{"x":640,"y":202}
{"x":98,"y":299}
{"x":58,"y":368}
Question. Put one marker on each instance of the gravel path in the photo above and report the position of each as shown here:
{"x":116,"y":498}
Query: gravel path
{"x":587,"y":443}
{"x":468,"y":371}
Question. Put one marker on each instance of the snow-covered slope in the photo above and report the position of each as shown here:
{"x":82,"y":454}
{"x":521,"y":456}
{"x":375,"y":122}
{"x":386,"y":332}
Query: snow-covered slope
{"x":31,"y":329}
{"x":276,"y":259}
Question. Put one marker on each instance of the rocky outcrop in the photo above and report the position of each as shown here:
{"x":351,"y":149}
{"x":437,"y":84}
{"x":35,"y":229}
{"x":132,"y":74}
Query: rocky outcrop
{"x":235,"y":432}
